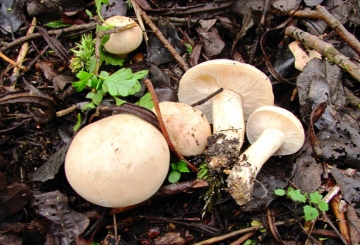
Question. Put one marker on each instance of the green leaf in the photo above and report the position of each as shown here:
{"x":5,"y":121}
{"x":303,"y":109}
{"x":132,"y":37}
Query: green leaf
{"x":280,"y":192}
{"x":315,"y":197}
{"x":119,"y":101}
{"x":146,"y":101}
{"x":78,"y":123}
{"x":140,"y":74}
{"x":111,"y":59}
{"x":182,"y":167}
{"x":88,"y":13}
{"x":323,"y":206}
{"x":174,"y":166}
{"x":84,"y":78}
{"x":174,"y":176}
{"x":56,"y":24}
{"x":310,"y":213}
{"x":93,"y":82}
{"x":297,"y":196}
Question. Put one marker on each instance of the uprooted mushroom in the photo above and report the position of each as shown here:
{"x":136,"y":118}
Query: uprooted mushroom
{"x":273,"y":131}
{"x":245,"y":89}
{"x":117,"y":161}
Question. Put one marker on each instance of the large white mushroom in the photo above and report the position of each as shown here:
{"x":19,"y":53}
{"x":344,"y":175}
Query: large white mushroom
{"x":117,"y":161}
{"x":273,"y":131}
{"x":187,"y":127}
{"x":124,"y":41}
{"x":245,"y":89}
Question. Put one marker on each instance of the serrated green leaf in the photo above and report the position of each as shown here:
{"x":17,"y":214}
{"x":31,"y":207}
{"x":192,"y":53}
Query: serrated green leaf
{"x":111,"y":59}
{"x":84,"y":78}
{"x":323,"y":206}
{"x":280,"y":192}
{"x":310,"y":213}
{"x":315,"y":197}
{"x":90,"y":105}
{"x":297,"y":196}
{"x":93,"y":82}
{"x":174,"y":176}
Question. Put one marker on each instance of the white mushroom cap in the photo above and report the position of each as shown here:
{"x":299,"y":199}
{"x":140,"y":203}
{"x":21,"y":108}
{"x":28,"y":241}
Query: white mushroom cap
{"x":251,"y":84}
{"x":124,"y":41}
{"x":117,"y":161}
{"x":187,"y":127}
{"x":277,"y":118}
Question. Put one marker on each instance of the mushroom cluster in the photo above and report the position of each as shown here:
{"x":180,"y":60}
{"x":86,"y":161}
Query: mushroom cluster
{"x":117,"y":161}
{"x":245,"y":88}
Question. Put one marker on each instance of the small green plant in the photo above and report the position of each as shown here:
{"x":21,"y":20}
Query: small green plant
{"x":189,"y":48}
{"x":315,"y":201}
{"x":176,"y":170}
{"x":203,"y":172}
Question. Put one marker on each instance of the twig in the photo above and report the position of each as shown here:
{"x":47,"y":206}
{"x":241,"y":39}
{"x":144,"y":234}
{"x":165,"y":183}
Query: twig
{"x":325,"y":49}
{"x":13,"y":63}
{"x":166,"y":43}
{"x":236,"y":233}
{"x":24,"y":49}
{"x":162,"y":125}
{"x":140,"y":21}
{"x":321,"y":13}
{"x":202,"y":101}
{"x":19,"y":41}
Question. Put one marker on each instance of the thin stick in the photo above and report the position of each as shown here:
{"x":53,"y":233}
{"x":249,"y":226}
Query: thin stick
{"x":321,"y":13}
{"x":325,"y":49}
{"x":162,"y":124}
{"x":236,"y":233}
{"x":207,"y":97}
{"x":166,"y":43}
{"x":24,"y":48}
{"x":13,"y":63}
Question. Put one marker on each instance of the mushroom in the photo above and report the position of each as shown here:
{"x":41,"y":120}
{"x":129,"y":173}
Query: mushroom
{"x":187,"y":127}
{"x":273,"y":131}
{"x":118,"y":161}
{"x":124,"y":41}
{"x":245,"y":89}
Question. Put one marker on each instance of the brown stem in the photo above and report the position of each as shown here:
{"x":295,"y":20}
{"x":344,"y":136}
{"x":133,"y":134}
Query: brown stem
{"x":162,"y":125}
{"x":325,"y":49}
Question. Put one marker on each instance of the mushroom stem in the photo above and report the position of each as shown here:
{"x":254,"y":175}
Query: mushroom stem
{"x":228,"y":129}
{"x":242,"y":176}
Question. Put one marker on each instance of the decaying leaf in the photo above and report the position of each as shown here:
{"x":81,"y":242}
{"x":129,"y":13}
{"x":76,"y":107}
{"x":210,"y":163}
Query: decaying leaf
{"x":308,"y":171}
{"x":13,"y":198}
{"x":156,"y":51}
{"x":173,"y":237}
{"x":51,"y":167}
{"x":210,"y":39}
{"x":64,"y":224}
{"x":301,"y":56}
{"x":349,"y":187}
{"x":354,"y":224}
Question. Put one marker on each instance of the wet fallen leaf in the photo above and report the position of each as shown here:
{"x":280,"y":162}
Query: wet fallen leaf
{"x":10,"y":20}
{"x":173,"y":238}
{"x":13,"y":198}
{"x":65,"y":224}
{"x":354,"y":224}
{"x":210,"y":39}
{"x":349,"y":187}
{"x":156,"y":51}
{"x":50,"y":168}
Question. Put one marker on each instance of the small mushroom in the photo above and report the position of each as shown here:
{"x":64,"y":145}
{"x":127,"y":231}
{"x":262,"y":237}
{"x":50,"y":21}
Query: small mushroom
{"x":124,"y":41}
{"x":273,"y":131}
{"x":117,"y":161}
{"x":187,"y":127}
{"x":245,"y":89}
